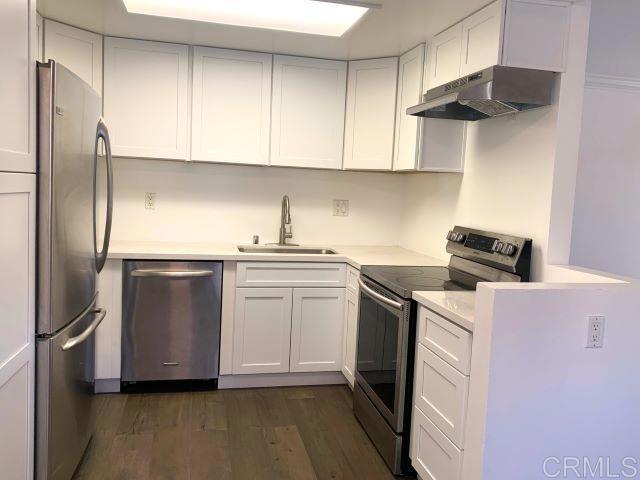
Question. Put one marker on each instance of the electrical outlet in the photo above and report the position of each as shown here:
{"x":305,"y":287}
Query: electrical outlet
{"x":341,"y":208}
{"x":595,"y":332}
{"x":150,"y":201}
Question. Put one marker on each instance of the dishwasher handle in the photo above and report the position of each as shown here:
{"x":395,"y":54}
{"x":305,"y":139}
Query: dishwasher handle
{"x":154,"y":272}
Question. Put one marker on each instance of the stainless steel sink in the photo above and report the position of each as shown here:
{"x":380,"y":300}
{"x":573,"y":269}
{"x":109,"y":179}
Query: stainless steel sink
{"x":285,"y":249}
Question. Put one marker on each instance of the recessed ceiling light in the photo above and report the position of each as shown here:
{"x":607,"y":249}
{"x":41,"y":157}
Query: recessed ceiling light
{"x":318,"y":17}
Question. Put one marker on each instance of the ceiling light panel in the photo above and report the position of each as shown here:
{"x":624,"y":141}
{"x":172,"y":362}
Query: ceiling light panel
{"x":302,"y":16}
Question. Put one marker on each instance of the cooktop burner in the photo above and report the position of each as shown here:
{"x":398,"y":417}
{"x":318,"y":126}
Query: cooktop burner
{"x":404,"y":280}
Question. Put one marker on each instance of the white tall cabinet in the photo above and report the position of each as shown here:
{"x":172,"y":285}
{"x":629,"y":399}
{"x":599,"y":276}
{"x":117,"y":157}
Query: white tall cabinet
{"x":17,"y":316}
{"x":78,"y":50}
{"x":308,"y":106}
{"x":231,"y":106}
{"x":370,"y":118}
{"x":146,"y":98}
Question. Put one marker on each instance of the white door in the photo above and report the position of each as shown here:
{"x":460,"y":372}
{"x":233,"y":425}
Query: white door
{"x":17,"y":315}
{"x":307,"y":125}
{"x":445,"y":50}
{"x":78,"y":50}
{"x":18,"y":37}
{"x":316,"y":329}
{"x":481,"y":39}
{"x":262,"y":330}
{"x":371,"y":105}
{"x":407,"y":138}
{"x":350,"y":334}
{"x":146,"y":98}
{"x":231,"y":109}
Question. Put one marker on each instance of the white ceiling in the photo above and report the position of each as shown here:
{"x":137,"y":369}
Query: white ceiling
{"x":395,"y":28}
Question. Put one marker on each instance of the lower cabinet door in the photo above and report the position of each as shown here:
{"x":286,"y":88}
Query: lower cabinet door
{"x":350,"y":336}
{"x":316,"y":329}
{"x":432,"y":454}
{"x":262,"y":330}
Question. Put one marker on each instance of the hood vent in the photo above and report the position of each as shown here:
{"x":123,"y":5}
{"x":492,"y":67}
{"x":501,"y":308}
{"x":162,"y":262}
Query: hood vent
{"x":492,"y":92}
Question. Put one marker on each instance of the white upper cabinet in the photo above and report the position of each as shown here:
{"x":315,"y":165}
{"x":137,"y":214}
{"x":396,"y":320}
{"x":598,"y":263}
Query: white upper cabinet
{"x":481,"y":36}
{"x":308,"y":112}
{"x":317,"y":329}
{"x":407,"y":137}
{"x":231,"y":106}
{"x":78,"y":50}
{"x":371,"y":105}
{"x":18,"y":38}
{"x":445,"y":50}
{"x":515,"y":33}
{"x":40,"y":38}
{"x":146,"y":98}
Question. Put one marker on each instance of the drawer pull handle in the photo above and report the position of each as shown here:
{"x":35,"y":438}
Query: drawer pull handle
{"x":152,"y":272}
{"x":170,"y":364}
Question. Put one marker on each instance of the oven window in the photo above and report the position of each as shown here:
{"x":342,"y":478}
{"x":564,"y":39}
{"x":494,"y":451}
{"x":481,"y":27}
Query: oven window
{"x":378,"y":349}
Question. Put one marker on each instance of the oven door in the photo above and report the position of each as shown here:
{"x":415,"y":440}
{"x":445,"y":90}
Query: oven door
{"x":382,"y":350}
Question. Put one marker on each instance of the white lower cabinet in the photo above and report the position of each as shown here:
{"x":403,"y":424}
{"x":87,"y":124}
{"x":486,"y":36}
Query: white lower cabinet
{"x":262,"y":330}
{"x":350,"y":332}
{"x":316,"y":329}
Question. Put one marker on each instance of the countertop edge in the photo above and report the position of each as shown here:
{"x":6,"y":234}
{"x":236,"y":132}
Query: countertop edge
{"x":464,"y":321}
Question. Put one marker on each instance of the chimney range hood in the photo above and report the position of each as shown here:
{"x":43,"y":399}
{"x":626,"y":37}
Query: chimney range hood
{"x":491,"y":92}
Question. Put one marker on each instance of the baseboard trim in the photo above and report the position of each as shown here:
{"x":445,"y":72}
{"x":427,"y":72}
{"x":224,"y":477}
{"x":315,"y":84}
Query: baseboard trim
{"x":281,"y":380}
{"x":107,"y":385}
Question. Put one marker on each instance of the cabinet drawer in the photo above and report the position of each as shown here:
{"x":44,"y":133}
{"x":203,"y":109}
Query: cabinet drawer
{"x":441,"y":393}
{"x":433,"y":456}
{"x":290,"y":274}
{"x":445,"y":339}
{"x":352,"y":279}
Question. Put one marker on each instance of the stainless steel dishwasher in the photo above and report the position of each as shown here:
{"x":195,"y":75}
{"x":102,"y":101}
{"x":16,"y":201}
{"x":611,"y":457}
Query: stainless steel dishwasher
{"x":171,"y":320}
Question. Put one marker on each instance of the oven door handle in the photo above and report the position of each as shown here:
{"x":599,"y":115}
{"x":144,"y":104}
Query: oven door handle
{"x":379,"y":297}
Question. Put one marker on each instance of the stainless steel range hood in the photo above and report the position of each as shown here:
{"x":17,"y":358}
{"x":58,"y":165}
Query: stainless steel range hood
{"x":491,"y":92}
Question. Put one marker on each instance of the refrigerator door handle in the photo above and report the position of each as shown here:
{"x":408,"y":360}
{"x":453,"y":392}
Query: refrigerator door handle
{"x":77,"y":340}
{"x":102,"y":133}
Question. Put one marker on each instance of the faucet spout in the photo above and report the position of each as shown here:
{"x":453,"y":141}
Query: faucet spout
{"x":285,"y":221}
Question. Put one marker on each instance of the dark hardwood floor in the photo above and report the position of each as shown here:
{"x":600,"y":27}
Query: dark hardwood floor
{"x":274,"y":433}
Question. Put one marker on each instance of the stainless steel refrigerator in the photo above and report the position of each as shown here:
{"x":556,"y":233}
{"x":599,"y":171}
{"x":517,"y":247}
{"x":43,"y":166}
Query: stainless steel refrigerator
{"x":70,"y":128}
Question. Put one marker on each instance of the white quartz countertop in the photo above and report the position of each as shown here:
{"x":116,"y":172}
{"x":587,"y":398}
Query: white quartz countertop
{"x":355,"y":256}
{"x":457,"y":306}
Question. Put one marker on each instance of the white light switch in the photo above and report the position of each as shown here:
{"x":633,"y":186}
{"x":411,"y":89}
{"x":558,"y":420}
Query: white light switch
{"x":595,"y":332}
{"x":341,"y":208}
{"x":150,"y":200}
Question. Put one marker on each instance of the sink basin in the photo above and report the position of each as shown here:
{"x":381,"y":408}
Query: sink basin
{"x":285,"y":249}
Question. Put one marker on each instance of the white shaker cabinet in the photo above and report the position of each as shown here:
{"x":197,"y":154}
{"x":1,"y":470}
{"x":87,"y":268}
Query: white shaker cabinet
{"x":18,"y":37}
{"x":78,"y":50}
{"x":481,"y":39}
{"x":371,"y":105}
{"x":308,"y":107}
{"x":445,"y":50}
{"x":146,"y":98}
{"x":17,"y":311}
{"x":231,"y":106}
{"x":407,"y":136}
{"x":316,"y":329}
{"x":262,"y":330}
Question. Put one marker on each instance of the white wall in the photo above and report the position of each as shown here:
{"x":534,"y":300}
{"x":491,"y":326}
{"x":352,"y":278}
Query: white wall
{"x":606,"y":219}
{"x":198,"y":202}
{"x":506,"y":186}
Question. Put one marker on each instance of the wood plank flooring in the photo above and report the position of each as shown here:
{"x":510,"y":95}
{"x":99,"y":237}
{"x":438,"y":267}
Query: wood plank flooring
{"x":299,"y":433}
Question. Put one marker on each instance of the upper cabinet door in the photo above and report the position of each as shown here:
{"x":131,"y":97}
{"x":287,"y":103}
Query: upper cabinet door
{"x":146,"y":98}
{"x":481,"y":39}
{"x":371,"y":105}
{"x":410,"y":75}
{"x":308,"y":112}
{"x":231,"y":106}
{"x":17,"y":85}
{"x":78,"y":50}
{"x":444,"y":56}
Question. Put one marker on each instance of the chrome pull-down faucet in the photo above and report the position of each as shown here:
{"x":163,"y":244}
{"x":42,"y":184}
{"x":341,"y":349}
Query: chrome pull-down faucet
{"x":285,"y":221}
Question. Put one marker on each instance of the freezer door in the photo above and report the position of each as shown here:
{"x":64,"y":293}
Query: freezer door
{"x":64,"y":398}
{"x":68,"y":119}
{"x":171,"y":320}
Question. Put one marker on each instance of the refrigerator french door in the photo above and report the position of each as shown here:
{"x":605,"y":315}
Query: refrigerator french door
{"x":70,"y":134}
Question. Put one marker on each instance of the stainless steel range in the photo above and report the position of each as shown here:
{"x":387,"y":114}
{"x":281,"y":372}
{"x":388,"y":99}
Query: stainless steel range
{"x":387,"y":328}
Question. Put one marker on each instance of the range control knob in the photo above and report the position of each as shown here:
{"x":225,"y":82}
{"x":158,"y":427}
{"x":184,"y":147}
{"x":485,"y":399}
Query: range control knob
{"x":459,"y":237}
{"x":497,"y":247}
{"x":451,"y":236}
{"x":508,"y":249}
